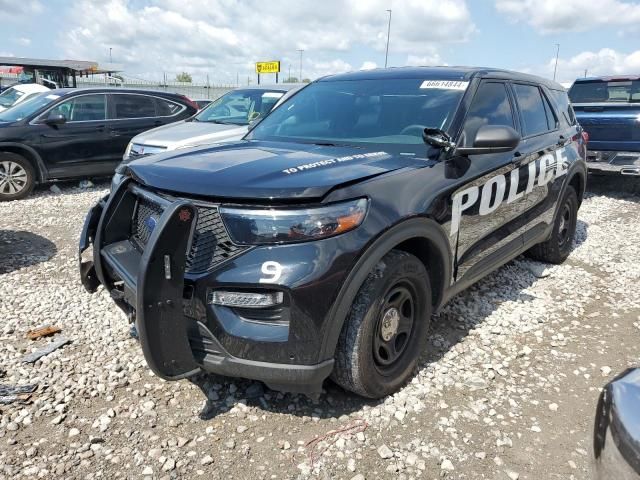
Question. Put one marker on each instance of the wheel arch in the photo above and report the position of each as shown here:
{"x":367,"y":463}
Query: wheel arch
{"x":28,"y":153}
{"x":420,"y":236}
{"x":578,"y":182}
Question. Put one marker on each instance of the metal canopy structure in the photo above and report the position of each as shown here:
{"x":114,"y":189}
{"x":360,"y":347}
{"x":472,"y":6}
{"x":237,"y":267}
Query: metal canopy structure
{"x":62,"y":70}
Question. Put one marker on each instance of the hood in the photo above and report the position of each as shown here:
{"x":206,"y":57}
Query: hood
{"x":183,"y":133}
{"x":266,"y":170}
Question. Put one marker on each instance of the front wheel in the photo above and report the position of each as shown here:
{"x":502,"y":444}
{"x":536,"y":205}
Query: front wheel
{"x":386,"y":330}
{"x":17,"y":177}
{"x":558,"y":247}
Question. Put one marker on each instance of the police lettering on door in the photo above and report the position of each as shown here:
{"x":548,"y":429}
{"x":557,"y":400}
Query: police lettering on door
{"x":551,"y":166}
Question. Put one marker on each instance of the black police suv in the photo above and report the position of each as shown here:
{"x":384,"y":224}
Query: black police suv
{"x":321,"y":244}
{"x":69,"y":133}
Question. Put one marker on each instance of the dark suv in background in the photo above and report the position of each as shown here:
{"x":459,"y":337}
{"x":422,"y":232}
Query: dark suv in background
{"x":69,"y":133}
{"x":608,"y":108}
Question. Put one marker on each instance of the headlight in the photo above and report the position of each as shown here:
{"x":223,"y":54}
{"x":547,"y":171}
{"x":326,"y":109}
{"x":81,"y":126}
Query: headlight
{"x":257,"y":226}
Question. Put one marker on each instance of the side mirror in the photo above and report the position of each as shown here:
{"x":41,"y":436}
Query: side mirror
{"x":55,"y":119}
{"x":492,"y":139}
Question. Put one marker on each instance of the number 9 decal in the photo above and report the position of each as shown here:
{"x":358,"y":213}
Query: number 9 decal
{"x":272,"y":270}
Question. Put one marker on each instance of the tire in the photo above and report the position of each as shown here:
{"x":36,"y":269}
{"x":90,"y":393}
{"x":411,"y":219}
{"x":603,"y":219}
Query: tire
{"x":17,"y":177}
{"x":558,"y":247}
{"x":386,"y":330}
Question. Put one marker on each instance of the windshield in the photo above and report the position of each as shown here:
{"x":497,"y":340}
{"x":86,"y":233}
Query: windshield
{"x":27,"y":107}
{"x":9,"y":96}
{"x":239,"y":107}
{"x":600,"y":91}
{"x":389,"y":111}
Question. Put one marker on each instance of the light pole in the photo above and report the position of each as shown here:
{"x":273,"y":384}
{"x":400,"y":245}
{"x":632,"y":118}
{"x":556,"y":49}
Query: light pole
{"x":300,"y":50}
{"x":555,"y":69}
{"x":386,"y":55}
{"x":110,"y":59}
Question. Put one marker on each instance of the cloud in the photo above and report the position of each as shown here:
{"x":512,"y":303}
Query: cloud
{"x":20,"y":10}
{"x":601,"y":63}
{"x":558,"y":16}
{"x":368,"y":65}
{"x":223,"y":37}
{"x":432,"y":59}
{"x":24,"y":41}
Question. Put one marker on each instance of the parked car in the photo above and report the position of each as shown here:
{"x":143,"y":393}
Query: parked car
{"x":19,"y":93}
{"x":67,"y":133}
{"x":616,"y":436}
{"x":322,"y":242}
{"x":224,"y":119}
{"x":608,"y":108}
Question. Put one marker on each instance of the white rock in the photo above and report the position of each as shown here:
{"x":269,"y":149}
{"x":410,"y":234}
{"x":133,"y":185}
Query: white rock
{"x":385,"y":452}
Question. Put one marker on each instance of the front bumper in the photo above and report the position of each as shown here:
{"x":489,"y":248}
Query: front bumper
{"x":180,"y":333}
{"x":613,"y":163}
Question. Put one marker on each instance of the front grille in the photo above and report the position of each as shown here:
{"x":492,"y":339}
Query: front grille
{"x":210,"y":246}
{"x":145,"y":218}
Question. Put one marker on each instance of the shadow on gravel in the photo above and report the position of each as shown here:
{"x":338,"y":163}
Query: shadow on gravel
{"x":19,"y":249}
{"x":616,"y":186}
{"x":581,"y":233}
{"x":448,"y":328}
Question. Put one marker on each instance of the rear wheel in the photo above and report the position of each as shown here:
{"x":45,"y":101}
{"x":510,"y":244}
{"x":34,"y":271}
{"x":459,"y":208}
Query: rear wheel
{"x":558,"y":247}
{"x":17,"y":177}
{"x":386,"y":330}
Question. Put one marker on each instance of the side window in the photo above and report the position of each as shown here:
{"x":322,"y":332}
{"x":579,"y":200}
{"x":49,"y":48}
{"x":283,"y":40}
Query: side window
{"x":85,"y":108}
{"x":533,"y":110}
{"x":167,"y":108}
{"x":490,"y":106}
{"x":133,"y":106}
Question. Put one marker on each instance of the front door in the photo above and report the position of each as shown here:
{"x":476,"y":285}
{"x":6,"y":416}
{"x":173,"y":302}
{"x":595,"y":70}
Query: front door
{"x":79,"y":146}
{"x":486,"y":206}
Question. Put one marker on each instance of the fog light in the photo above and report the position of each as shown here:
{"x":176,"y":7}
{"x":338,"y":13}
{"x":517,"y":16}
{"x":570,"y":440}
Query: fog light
{"x":246,"y":299}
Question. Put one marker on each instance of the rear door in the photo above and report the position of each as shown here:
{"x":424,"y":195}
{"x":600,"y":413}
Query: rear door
{"x":132,"y":114}
{"x":545,"y":153}
{"x":80,"y":145}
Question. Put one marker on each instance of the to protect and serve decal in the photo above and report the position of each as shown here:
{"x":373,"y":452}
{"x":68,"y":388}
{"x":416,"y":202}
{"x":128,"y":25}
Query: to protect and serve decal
{"x":332,"y":161}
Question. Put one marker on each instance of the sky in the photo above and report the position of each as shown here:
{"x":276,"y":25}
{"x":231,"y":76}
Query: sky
{"x":221,"y":39}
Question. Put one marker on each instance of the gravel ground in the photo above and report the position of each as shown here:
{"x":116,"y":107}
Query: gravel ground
{"x":506,"y":390}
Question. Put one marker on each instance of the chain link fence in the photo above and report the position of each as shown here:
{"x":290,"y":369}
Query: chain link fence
{"x":194,"y":91}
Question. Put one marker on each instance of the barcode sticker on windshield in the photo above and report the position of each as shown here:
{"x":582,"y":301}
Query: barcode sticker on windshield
{"x":445,"y":84}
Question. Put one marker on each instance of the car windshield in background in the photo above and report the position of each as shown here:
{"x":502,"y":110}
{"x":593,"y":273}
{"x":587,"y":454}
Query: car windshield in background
{"x":27,"y":107}
{"x":367,"y":111}
{"x":9,"y":96}
{"x":600,"y":91}
{"x":239,"y":107}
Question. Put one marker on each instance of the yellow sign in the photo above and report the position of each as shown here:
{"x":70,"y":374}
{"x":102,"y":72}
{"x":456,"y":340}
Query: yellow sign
{"x":267,"y":67}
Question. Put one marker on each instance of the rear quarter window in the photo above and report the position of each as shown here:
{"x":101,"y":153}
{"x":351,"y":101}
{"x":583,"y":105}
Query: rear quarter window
{"x":167,"y":108}
{"x":567,"y":116}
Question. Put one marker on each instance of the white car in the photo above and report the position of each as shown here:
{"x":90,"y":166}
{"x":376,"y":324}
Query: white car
{"x":19,"y":93}
{"x":225,"y":119}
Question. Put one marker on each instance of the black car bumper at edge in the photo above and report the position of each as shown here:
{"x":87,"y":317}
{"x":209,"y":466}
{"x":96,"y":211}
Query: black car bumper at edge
{"x":149,"y":285}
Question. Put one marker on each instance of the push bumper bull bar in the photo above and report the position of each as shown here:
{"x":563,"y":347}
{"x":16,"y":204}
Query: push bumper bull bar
{"x":151,"y":284}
